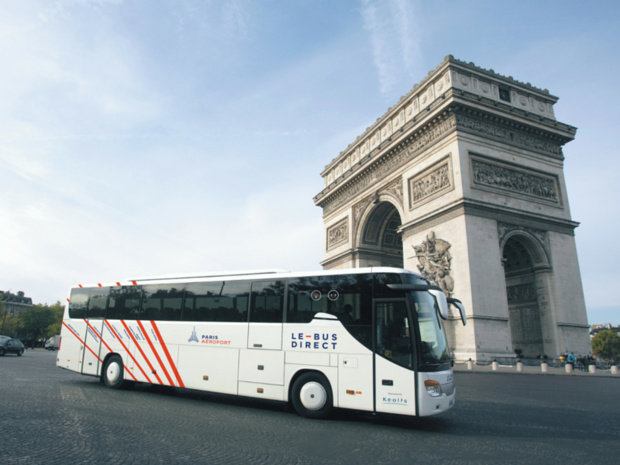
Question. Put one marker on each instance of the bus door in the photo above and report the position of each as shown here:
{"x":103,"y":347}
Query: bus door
{"x":92,"y":347}
{"x":394,"y":376}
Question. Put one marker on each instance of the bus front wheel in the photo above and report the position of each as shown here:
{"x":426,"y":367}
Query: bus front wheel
{"x":113,"y":372}
{"x":312,"y":396}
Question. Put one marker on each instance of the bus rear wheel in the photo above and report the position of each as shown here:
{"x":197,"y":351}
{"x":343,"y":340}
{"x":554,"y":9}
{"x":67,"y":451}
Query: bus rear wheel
{"x":113,"y":372}
{"x":312,"y":396}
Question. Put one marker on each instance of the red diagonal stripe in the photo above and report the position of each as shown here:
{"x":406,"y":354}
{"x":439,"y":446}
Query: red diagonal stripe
{"x":110,"y":349}
{"x":83,"y":343}
{"x":127,"y":350}
{"x":155,"y":352}
{"x":153,"y":370}
{"x":163,"y":346}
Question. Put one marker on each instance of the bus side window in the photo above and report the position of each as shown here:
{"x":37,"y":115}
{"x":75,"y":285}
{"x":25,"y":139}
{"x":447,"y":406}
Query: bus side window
{"x":97,"y":302}
{"x":124,"y":303}
{"x":78,"y":303}
{"x":267,"y":302}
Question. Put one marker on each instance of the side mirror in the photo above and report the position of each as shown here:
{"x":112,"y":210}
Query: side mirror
{"x":458,"y":304}
{"x":442,"y":302}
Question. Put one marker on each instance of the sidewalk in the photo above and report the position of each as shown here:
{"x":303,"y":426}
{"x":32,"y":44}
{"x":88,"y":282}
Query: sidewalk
{"x":486,"y":367}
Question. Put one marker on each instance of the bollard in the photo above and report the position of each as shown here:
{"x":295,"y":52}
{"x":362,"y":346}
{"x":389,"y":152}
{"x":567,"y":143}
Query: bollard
{"x":592,"y":368}
{"x":519,"y":366}
{"x":544,"y":367}
{"x":568,"y":367}
{"x":495,"y":365}
{"x":470,"y":364}
{"x":614,"y":369}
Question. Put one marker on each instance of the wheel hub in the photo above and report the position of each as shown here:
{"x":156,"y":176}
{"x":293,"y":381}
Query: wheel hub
{"x":313,"y":396}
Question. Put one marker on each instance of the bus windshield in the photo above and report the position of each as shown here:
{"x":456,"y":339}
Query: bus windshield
{"x":434,"y":351}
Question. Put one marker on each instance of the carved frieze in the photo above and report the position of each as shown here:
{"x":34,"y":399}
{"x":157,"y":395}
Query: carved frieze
{"x":434,"y":259}
{"x":430,"y":183}
{"x":521,"y":293}
{"x":510,"y":136}
{"x":394,"y":188}
{"x":338,"y":234}
{"x":519,"y":181}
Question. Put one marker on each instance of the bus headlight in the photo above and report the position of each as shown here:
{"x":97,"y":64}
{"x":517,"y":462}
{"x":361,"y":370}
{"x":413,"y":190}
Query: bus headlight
{"x":433,"y":388}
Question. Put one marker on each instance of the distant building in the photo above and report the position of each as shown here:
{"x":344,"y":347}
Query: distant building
{"x":595,"y":329}
{"x":15,"y":304}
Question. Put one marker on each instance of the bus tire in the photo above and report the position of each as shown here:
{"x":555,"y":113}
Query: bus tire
{"x":312,"y":396}
{"x":113,"y":372}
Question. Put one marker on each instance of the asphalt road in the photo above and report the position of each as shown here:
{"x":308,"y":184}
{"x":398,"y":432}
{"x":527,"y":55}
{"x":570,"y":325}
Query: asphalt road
{"x":52,"y":416}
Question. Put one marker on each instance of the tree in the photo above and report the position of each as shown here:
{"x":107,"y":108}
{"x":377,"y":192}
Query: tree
{"x":8,"y":321}
{"x":58,"y":311}
{"x":35,"y":321}
{"x":606,"y":345}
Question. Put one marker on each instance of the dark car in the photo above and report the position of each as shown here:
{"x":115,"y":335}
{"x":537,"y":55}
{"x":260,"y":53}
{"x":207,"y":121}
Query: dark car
{"x":9,"y":345}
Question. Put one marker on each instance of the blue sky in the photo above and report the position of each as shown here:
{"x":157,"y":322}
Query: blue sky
{"x":146,"y":137}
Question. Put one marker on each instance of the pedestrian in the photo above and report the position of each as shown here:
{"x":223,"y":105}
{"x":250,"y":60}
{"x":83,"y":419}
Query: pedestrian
{"x":570,"y":359}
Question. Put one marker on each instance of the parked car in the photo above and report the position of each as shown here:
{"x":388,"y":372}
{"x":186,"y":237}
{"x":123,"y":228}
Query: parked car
{"x":10,"y":345}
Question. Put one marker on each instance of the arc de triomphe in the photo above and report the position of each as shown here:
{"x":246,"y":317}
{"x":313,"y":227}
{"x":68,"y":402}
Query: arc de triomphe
{"x":463,"y":181}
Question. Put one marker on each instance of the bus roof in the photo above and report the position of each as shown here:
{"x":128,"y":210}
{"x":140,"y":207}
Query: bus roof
{"x":251,"y":274}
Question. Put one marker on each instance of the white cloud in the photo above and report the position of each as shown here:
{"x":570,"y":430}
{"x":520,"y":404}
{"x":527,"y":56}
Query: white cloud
{"x":391,"y":28}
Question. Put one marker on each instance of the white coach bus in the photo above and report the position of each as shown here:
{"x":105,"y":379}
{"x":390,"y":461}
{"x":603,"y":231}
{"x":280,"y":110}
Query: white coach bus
{"x":368,"y":339}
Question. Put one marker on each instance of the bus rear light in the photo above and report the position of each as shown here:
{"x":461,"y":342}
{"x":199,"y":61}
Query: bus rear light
{"x":433,"y":388}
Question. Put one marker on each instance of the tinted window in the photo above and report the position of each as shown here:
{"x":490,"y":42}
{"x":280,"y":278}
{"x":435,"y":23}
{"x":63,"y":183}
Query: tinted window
{"x":349,"y":297}
{"x":88,"y":302}
{"x":97,"y":302}
{"x":78,"y":303}
{"x":394,"y":333}
{"x":162,"y":302}
{"x":267,"y":304}
{"x":124,"y":303}
{"x":216,"y":301}
{"x":381,"y":282}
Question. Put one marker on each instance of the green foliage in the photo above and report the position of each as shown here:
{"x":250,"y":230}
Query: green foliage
{"x":606,"y":345}
{"x":8,"y":322}
{"x":40,"y":321}
{"x":57,"y":310}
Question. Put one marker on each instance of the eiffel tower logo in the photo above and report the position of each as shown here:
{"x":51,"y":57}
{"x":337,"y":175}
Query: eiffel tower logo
{"x":193,"y":337}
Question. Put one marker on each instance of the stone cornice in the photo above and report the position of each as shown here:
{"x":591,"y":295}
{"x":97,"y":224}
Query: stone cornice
{"x":485,"y":210}
{"x":403,"y":151}
{"x":484,"y":88}
{"x":406,"y":147}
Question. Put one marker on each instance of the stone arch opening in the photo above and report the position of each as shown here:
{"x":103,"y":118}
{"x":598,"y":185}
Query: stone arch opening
{"x":522,"y":259}
{"x":380,"y":242}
